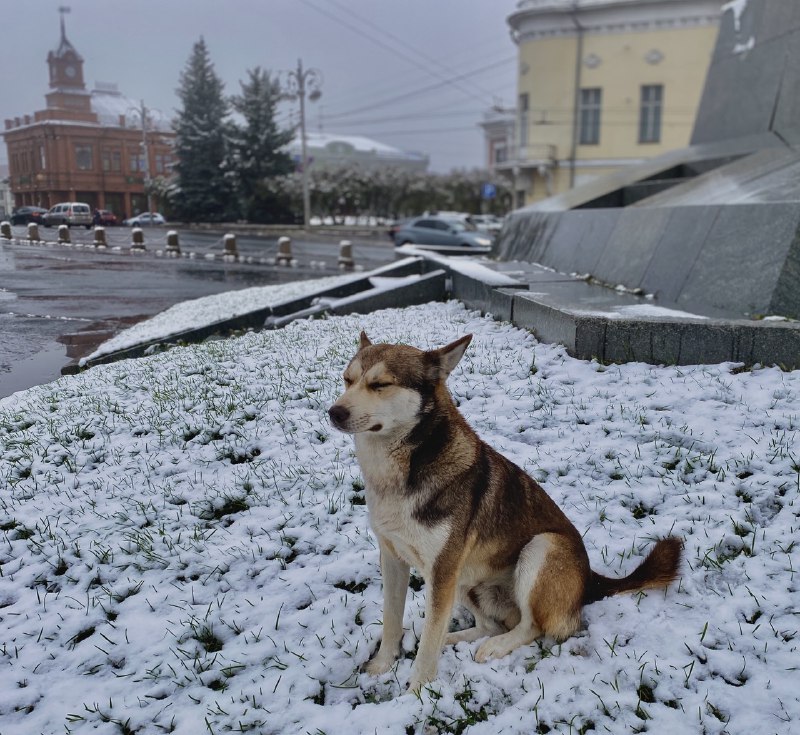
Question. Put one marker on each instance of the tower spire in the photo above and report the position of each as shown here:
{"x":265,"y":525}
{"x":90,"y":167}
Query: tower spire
{"x":63,"y":9}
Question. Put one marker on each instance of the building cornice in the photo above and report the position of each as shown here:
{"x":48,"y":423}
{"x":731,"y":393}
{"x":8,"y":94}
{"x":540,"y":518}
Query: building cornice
{"x":538,"y":19}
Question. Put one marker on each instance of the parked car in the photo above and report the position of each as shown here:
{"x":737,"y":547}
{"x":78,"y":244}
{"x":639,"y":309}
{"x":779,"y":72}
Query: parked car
{"x":490,"y":223}
{"x":24,"y":215}
{"x":145,"y":219}
{"x":394,"y":227}
{"x":69,"y":214}
{"x":104,"y":218}
{"x":439,"y":230}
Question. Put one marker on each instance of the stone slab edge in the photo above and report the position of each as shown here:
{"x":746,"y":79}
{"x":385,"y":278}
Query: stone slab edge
{"x":658,"y":341}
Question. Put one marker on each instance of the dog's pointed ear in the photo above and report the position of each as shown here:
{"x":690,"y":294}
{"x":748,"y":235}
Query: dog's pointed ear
{"x":364,"y":341}
{"x":450,"y":355}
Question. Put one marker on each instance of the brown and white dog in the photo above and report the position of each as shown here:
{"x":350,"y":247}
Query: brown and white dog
{"x":478,"y":528}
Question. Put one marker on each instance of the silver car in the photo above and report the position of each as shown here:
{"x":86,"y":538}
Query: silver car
{"x":437,"y":230}
{"x":69,"y":214}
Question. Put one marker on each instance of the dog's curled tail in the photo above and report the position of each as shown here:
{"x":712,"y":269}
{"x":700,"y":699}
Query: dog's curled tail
{"x":657,"y":570}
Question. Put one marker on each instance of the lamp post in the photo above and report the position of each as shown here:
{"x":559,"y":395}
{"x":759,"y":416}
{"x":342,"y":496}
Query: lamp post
{"x":142,"y":112}
{"x":297,"y":83}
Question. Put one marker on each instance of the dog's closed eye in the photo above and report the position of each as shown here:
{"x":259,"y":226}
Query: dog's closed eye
{"x":378,"y":386}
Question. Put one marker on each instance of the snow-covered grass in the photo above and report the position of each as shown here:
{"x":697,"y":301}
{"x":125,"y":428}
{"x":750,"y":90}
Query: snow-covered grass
{"x":185,"y":545}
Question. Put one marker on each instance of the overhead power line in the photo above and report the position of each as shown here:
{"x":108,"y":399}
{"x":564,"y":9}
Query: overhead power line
{"x":397,"y":52}
{"x":404,"y":44}
{"x":418,"y":92}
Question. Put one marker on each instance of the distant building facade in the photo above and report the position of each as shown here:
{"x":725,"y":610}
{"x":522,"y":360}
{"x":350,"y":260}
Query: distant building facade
{"x":601,"y":84}
{"x":85,"y":146}
{"x":331,"y":150}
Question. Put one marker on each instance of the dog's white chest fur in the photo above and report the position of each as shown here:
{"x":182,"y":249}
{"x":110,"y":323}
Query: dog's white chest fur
{"x":391,"y":510}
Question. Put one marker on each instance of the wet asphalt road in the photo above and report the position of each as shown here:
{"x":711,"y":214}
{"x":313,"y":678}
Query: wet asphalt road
{"x":57,"y":303}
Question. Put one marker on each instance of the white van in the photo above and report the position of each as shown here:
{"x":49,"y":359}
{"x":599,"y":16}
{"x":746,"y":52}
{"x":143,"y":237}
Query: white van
{"x":69,"y":213}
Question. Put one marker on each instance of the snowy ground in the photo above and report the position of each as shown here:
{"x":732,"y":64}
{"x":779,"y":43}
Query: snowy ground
{"x":185,"y":544}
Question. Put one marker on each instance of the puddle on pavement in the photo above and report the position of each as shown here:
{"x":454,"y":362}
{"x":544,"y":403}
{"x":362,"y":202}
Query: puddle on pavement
{"x":45,"y":358}
{"x":42,"y":367}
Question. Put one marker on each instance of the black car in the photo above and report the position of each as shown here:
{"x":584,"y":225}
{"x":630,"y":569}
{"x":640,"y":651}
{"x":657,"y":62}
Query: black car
{"x":23,"y":215}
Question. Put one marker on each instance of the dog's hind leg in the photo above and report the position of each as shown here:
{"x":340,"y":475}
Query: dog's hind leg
{"x":489,"y":604}
{"x":548,"y":583}
{"x":395,"y":573}
{"x":479,"y":630}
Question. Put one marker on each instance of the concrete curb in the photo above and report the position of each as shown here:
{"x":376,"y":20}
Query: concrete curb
{"x":660,"y":341}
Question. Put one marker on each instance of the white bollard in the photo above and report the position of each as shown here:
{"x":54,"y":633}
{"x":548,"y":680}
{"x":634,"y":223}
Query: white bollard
{"x":63,"y":235}
{"x":346,"y":262}
{"x":230,"y":245}
{"x":173,"y":245}
{"x":33,"y":232}
{"x":100,"y":237}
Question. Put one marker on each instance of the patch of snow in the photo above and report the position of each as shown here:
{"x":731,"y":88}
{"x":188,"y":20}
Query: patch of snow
{"x":737,"y":7}
{"x":648,"y":310}
{"x":742,"y":48}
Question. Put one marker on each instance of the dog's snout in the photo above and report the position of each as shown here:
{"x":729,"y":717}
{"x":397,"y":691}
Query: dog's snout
{"x":338,"y":414}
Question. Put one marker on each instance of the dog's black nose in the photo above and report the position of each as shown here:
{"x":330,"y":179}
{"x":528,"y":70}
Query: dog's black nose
{"x":338,"y":414}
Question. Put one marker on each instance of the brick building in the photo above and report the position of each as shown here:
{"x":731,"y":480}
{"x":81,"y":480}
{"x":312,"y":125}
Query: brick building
{"x":86,"y":146}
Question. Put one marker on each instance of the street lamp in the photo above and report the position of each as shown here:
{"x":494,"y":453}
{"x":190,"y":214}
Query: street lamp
{"x":297,"y":83}
{"x":142,"y":112}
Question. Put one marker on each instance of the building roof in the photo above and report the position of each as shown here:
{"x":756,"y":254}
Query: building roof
{"x":357,"y":143}
{"x":110,"y":105}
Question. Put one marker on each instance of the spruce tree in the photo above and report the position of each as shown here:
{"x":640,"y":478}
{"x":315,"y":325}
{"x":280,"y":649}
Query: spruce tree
{"x":201,"y":128}
{"x":256,"y":150}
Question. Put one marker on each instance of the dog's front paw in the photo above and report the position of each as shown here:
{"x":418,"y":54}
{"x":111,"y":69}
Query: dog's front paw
{"x":379,"y":664}
{"x":419,"y":678}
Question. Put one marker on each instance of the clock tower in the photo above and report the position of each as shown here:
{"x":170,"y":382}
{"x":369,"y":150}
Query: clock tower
{"x":65,"y":63}
{"x":68,"y":93}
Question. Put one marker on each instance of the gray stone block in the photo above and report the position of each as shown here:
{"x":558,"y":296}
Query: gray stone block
{"x":628,"y":341}
{"x":547,"y":323}
{"x":741,"y":259}
{"x":787,"y":112}
{"x":776,"y":344}
{"x":590,"y":337}
{"x":580,"y":239}
{"x":632,"y":246}
{"x":674,"y":256}
{"x":502,"y":303}
{"x":785,"y":299}
{"x":706,"y":342}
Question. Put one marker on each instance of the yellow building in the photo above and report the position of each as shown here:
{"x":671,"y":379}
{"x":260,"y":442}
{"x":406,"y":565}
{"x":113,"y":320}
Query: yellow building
{"x":601,"y":84}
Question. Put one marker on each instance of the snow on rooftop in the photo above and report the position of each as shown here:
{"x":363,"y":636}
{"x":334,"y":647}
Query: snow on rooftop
{"x":109,"y":104}
{"x":359,"y":143}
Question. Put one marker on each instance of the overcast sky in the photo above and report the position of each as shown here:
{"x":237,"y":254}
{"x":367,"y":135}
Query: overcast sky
{"x":416,"y":74}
